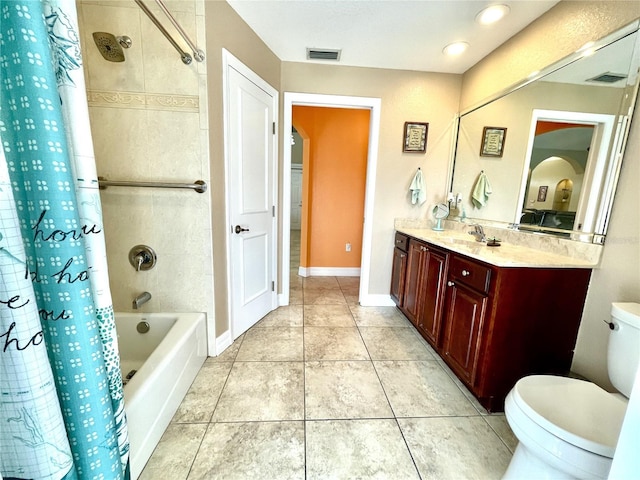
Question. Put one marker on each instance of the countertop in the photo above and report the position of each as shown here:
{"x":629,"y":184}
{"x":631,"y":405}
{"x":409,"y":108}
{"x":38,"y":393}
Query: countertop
{"x":506,"y":255}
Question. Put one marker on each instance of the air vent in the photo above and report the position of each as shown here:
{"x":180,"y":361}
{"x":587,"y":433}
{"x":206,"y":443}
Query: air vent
{"x":608,"y":78}
{"x":323,"y":54}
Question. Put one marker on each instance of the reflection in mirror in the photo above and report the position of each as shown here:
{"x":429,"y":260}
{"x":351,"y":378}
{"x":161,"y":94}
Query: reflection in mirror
{"x":558,"y":171}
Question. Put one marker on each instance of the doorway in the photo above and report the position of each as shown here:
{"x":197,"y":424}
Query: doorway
{"x":317,"y":100}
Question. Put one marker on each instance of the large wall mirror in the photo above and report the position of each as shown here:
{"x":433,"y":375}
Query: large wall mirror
{"x":550,"y":148}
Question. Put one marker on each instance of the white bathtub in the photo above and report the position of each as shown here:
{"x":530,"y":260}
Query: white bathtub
{"x":166,"y":359}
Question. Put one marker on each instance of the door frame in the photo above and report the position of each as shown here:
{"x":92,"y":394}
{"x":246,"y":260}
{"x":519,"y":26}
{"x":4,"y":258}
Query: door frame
{"x":589,"y":212}
{"x":230,"y":61}
{"x":333,"y":101}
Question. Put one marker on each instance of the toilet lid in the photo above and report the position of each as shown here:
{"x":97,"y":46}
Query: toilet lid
{"x":578,"y":412}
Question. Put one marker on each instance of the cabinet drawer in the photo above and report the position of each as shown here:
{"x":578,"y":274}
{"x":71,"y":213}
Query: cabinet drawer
{"x":470,"y":273}
{"x":401,"y":242}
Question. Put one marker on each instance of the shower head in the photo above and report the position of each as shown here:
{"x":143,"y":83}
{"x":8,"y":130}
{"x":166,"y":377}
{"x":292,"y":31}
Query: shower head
{"x":110,"y":46}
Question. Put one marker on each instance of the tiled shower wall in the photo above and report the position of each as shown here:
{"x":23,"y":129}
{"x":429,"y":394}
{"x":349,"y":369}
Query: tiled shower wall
{"x":149,"y":123}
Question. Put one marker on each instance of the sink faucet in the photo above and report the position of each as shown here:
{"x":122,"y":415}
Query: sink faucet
{"x":141,"y":299}
{"x":478,"y":232}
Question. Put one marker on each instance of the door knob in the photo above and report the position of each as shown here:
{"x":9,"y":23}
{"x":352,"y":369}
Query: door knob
{"x":239,"y":229}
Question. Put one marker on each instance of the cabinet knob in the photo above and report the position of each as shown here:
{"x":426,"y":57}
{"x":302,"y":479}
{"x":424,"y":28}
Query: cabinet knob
{"x":423,"y":248}
{"x":466,"y":273}
{"x":450,"y":284}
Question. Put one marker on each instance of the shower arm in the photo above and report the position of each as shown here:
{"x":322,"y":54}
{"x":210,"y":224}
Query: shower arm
{"x":184,"y":56}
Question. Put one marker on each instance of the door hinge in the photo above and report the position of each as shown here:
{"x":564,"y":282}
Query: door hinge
{"x":274,"y":128}
{"x":273,"y":286}
{"x":273,"y":211}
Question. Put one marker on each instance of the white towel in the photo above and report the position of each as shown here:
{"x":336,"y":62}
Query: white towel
{"x":481,"y":191}
{"x":418,"y":189}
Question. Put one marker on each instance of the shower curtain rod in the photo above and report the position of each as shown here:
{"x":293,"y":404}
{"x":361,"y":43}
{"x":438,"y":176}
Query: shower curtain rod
{"x":199,"y":186}
{"x":184,"y":56}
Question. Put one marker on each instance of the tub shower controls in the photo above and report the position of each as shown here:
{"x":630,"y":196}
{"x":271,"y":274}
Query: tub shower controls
{"x":142,"y":258}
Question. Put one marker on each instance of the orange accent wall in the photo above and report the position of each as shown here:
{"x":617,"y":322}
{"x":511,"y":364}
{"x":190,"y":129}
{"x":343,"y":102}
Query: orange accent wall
{"x":334,"y":178}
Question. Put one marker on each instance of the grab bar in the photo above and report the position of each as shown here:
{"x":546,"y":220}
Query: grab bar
{"x":184,"y":56}
{"x":197,"y":53}
{"x":199,"y":186}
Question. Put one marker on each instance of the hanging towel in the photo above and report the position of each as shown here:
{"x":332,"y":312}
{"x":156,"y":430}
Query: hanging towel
{"x":481,"y":191}
{"x":418,"y":189}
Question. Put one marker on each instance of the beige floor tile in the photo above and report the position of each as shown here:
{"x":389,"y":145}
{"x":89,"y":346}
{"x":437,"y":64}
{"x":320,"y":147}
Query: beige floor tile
{"x":175,"y":452}
{"x":258,"y":391}
{"x":379,"y":317}
{"x":323,"y":296}
{"x":200,"y":400}
{"x":334,"y":343}
{"x":271,"y":344}
{"x":363,"y":449}
{"x":386,"y":343}
{"x":343,"y":390}
{"x":287,"y":316}
{"x":455,"y":448}
{"x":321,"y":282}
{"x":421,"y":389}
{"x":328,"y":316}
{"x":500,"y":425}
{"x":264,"y":450}
{"x":349,"y":282}
{"x":296,"y":296}
{"x":229,"y":355}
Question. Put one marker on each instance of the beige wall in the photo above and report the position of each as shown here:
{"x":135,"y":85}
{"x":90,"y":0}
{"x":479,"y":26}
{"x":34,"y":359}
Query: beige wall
{"x":225,"y":29}
{"x":558,"y":33}
{"x":406,"y":96}
{"x":562,"y":30}
{"x":149,"y":123}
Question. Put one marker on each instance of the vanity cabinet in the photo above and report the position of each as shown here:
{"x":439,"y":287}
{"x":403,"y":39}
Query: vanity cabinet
{"x":424,"y":288}
{"x":466,"y":307}
{"x":493,"y":325}
{"x":399,"y":269}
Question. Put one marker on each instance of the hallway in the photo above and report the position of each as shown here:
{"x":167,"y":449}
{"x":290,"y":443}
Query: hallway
{"x":324,"y":388}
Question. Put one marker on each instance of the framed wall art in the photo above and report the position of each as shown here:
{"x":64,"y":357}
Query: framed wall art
{"x":493,"y":139}
{"x":415,"y":137}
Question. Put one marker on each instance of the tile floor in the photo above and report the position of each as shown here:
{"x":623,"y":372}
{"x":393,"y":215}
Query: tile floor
{"x":326,"y":389}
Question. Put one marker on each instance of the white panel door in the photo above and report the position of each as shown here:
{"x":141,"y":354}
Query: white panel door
{"x":251,"y":201}
{"x":296,"y":198}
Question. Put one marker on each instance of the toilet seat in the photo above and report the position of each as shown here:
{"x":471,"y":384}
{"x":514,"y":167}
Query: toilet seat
{"x":576,"y":411}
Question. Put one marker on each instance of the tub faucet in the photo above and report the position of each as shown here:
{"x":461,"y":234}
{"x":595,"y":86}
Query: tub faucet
{"x":478,"y":232}
{"x":141,"y":299}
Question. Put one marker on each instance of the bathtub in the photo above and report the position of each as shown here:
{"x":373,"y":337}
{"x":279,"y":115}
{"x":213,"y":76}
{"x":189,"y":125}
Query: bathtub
{"x":165,"y":360}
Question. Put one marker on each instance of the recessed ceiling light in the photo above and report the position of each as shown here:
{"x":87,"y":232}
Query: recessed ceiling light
{"x":492,"y":14}
{"x":455,"y":48}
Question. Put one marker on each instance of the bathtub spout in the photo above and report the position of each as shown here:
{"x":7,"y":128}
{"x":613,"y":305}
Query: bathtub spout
{"x":141,"y":299}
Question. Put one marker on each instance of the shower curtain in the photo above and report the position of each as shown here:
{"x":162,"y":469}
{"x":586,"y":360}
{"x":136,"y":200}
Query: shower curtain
{"x":61,"y":395}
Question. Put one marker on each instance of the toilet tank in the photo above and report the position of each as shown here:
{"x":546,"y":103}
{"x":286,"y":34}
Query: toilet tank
{"x":623,"y":356}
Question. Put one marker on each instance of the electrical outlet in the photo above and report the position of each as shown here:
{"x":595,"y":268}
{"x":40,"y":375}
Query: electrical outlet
{"x":347,"y":247}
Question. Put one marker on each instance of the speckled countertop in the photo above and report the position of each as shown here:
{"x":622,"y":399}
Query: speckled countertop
{"x":508,"y":254}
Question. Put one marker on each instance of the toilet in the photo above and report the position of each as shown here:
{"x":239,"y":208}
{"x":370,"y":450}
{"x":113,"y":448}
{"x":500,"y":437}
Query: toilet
{"x":568,"y":428}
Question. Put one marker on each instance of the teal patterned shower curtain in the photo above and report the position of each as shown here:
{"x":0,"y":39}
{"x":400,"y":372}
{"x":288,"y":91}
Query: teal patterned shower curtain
{"x":61,"y":396}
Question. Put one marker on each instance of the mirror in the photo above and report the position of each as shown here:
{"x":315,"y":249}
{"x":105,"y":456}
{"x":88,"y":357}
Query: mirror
{"x":556,"y":171}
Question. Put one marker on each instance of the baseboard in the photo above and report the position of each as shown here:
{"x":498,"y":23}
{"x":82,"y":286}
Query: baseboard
{"x":377,"y":301}
{"x":223,"y":342}
{"x":329,"y":271}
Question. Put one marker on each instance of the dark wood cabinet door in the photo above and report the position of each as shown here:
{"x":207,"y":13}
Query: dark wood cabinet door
{"x":415,"y":259}
{"x":463,"y":328}
{"x":433,"y":289}
{"x":398,"y":273}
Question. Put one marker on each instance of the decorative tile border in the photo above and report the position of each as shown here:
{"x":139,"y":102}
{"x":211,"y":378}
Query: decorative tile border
{"x":144,"y":101}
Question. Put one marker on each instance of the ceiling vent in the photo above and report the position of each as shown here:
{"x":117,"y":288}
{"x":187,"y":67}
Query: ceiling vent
{"x":323,"y":54}
{"x":608,"y":78}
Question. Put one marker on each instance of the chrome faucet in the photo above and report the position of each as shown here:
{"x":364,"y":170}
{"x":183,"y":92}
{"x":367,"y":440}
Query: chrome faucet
{"x":478,"y":232}
{"x":141,"y":299}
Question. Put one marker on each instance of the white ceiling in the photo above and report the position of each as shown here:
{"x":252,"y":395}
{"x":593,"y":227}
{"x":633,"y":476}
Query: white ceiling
{"x":394,"y":34}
